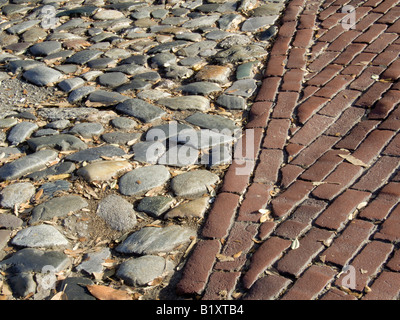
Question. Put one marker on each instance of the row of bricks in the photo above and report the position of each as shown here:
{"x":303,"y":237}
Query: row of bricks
{"x":366,"y":257}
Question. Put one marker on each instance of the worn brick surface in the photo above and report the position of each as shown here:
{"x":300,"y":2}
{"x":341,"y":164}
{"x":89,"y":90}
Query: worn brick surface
{"x":367,"y":263}
{"x":264,"y":257}
{"x":267,"y":288}
{"x":390,"y":229}
{"x":311,"y":283}
{"x":221,"y":285}
{"x":221,"y":215}
{"x":268,"y":168}
{"x":256,"y":198}
{"x":344,"y":247}
{"x":338,"y":213}
{"x":385,"y":287}
{"x":296,"y":261}
{"x":290,"y":198}
{"x":198,"y":268}
{"x":380,"y":207}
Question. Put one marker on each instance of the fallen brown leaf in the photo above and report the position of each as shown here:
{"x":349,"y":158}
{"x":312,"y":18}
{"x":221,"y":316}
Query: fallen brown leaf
{"x":107,"y":293}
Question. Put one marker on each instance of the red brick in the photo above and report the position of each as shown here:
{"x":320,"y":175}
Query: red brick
{"x":390,"y":229}
{"x":314,"y":151}
{"x":268,"y":89}
{"x":353,"y":70}
{"x":308,"y":210}
{"x":221,"y":285}
{"x":296,"y":261}
{"x":371,"y":147}
{"x":347,"y":120}
{"x":364,"y":58}
{"x":393,"y":148}
{"x":328,"y":36}
{"x":385,"y":105}
{"x":289,"y":174}
{"x":288,"y":29}
{"x":381,"y":43}
{"x":310,"y":284}
{"x":293,"y":80}
{"x":303,"y":38}
{"x":324,"y":14}
{"x":198,"y":267}
{"x":385,"y":287}
{"x":267,"y":288}
{"x":366,"y":79}
{"x":248,"y":145}
{"x":386,"y":57}
{"x":373,"y":94}
{"x":367,"y":263}
{"x":391,"y":16}
{"x":385,"y":6}
{"x":395,"y":27}
{"x":338,"y":104}
{"x":334,"y":86}
{"x":285,"y":105}
{"x":357,"y":135}
{"x":325,"y":75}
{"x":221,"y":215}
{"x":308,"y":92}
{"x":367,"y":21}
{"x":237,"y":176}
{"x":240,"y":240}
{"x":336,"y":294}
{"x":306,"y":21}
{"x":276,"y":134}
{"x":275,"y":66}
{"x":392,"y":122}
{"x":373,"y":32}
{"x":268,"y":168}
{"x":292,"y":11}
{"x":394,"y":262}
{"x":297,"y":58}
{"x":348,"y":243}
{"x":378,"y":174}
{"x":312,"y":129}
{"x":333,"y":20}
{"x":322,"y":61}
{"x":284,"y":203}
{"x":309,"y":107}
{"x":372,"y":3}
{"x":380,"y":207}
{"x":265,"y":256}
{"x":393,"y":72}
{"x":257,"y":197}
{"x":341,"y":178}
{"x":316,"y":50}
{"x":291,"y":229}
{"x":338,"y":213}
{"x":293,"y":149}
{"x":266,"y":229}
{"x":343,"y":40}
{"x":349,"y":53}
{"x":281,"y":46}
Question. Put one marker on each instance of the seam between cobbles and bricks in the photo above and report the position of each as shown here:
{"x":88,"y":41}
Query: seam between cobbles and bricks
{"x":271,"y":101}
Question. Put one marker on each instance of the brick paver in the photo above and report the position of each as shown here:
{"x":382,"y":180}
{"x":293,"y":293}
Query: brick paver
{"x":320,"y":189}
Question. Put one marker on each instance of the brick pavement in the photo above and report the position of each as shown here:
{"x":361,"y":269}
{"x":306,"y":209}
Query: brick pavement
{"x":324,"y":167}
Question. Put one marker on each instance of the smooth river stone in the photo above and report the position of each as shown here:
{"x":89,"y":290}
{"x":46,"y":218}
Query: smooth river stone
{"x":103,"y":170}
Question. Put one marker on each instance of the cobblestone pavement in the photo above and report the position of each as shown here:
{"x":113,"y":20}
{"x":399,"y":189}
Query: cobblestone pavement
{"x":315,"y":214}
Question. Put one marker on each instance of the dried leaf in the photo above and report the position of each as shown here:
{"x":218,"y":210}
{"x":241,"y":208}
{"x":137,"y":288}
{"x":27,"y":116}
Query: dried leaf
{"x":224,"y":258}
{"x":353,"y":160}
{"x":38,"y":195}
{"x":237,"y":255}
{"x":60,"y":296}
{"x":295,"y":244}
{"x":107,"y":293}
